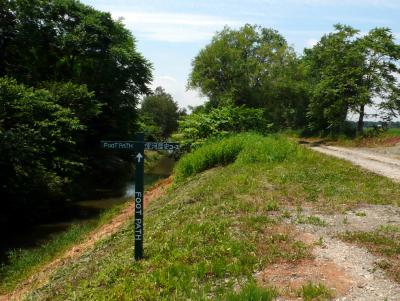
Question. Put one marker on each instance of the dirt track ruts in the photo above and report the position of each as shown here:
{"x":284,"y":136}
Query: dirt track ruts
{"x":377,"y":163}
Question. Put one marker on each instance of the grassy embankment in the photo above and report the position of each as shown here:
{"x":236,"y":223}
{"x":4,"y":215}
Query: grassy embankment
{"x":25,"y":262}
{"x":219,"y":223}
{"x":22,"y":263}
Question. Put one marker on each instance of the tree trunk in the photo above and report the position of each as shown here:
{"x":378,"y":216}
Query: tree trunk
{"x":360,"y":124}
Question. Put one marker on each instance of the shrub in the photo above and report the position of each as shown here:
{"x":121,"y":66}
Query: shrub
{"x":219,"y":122}
{"x":244,"y":148}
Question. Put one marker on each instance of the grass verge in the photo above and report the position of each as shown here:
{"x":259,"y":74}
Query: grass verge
{"x":371,"y":138}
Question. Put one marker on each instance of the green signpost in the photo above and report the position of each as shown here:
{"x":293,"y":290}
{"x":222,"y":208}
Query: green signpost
{"x":138,"y":147}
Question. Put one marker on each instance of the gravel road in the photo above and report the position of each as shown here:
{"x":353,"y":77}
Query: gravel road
{"x":377,"y":161}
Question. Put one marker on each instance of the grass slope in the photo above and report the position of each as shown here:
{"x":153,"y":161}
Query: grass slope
{"x":213,"y":230}
{"x":25,"y":262}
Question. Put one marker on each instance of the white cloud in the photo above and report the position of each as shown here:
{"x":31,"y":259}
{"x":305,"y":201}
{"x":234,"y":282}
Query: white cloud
{"x":311,"y":43}
{"x":172,"y":27}
{"x":178,"y":91}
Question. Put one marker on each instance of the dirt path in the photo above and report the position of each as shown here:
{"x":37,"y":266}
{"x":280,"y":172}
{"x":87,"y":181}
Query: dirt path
{"x":348,"y":270}
{"x":377,"y":162}
{"x":42,"y":275}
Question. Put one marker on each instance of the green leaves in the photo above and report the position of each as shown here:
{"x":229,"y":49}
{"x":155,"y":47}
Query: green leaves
{"x":37,"y":146}
{"x":86,"y":77}
{"x":161,"y":110}
{"x":252,"y":66}
{"x":197,"y":127}
{"x":67,"y":41}
{"x":349,"y":72}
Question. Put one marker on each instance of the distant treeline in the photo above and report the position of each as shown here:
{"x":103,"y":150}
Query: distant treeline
{"x":344,"y":73}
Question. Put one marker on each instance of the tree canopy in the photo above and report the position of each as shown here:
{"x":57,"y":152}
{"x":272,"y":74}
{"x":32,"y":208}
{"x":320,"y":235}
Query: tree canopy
{"x":65,"y":40}
{"x":348,"y":72}
{"x":252,"y":66}
{"x":161,"y":110}
{"x":70,"y":76}
{"x":37,"y":147}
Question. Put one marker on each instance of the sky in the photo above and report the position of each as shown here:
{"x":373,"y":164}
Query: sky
{"x":170,"y":33}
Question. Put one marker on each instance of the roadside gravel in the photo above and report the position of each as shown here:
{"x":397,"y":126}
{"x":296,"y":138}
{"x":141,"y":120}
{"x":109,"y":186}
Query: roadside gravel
{"x":375,"y":161}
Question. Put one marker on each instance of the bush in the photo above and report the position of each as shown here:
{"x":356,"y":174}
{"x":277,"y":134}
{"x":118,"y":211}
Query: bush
{"x":37,"y":149}
{"x":245,"y":148}
{"x":219,"y":122}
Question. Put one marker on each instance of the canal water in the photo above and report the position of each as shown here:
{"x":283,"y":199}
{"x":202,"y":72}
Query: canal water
{"x":83,"y":212}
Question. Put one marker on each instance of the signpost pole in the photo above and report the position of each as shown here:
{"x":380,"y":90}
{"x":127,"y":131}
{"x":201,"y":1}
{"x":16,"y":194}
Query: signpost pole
{"x":138,"y":148}
{"x":139,"y":196}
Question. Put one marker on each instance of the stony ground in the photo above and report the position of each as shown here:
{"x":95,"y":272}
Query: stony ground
{"x":351,"y":272}
{"x":382,"y":160}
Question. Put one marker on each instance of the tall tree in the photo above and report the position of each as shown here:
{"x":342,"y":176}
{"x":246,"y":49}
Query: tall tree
{"x":65,"y":40}
{"x":334,"y":68}
{"x":38,"y":158}
{"x":252,"y":66}
{"x":380,"y":74}
{"x":162,"y":110}
{"x":349,"y":72}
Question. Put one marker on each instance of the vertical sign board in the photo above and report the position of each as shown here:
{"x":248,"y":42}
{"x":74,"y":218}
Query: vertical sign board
{"x":139,"y":196}
{"x":138,"y":148}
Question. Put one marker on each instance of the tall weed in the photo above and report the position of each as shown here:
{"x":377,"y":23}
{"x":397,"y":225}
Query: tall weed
{"x":242,"y":148}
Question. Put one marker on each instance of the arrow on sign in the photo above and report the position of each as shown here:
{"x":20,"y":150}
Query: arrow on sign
{"x":139,"y":157}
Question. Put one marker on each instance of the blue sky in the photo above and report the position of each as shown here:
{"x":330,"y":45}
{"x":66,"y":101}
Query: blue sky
{"x":170,"y":33}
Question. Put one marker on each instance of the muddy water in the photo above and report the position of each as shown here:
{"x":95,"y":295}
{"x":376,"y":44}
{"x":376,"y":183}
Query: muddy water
{"x":80,"y":213}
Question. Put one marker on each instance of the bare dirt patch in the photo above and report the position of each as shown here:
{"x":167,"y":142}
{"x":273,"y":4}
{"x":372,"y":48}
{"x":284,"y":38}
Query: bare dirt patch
{"x":353,"y":265}
{"x":43,"y":273}
{"x":289,"y":277}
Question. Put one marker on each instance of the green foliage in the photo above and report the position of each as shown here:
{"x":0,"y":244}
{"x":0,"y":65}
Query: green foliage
{"x":75,"y":97}
{"x":252,"y":292}
{"x":37,"y":147}
{"x":252,"y":66}
{"x":194,"y":129}
{"x":315,"y":292}
{"x":334,"y":69}
{"x":67,"y":41}
{"x":381,"y":71}
{"x":86,"y":77}
{"x":348,"y":72}
{"x":151,"y":130}
{"x":244,"y":148}
{"x":161,"y":110}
